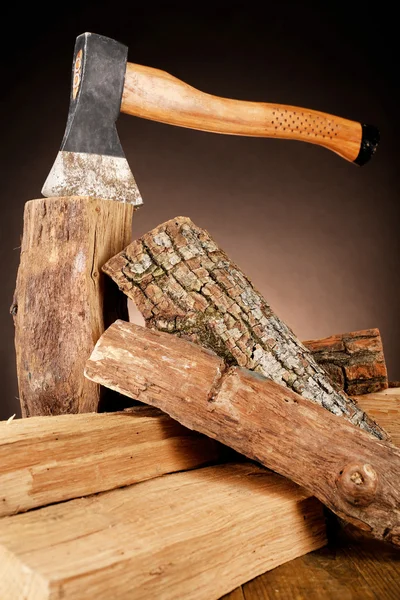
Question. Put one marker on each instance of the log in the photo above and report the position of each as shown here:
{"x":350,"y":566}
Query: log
{"x":354,"y":361}
{"x":194,"y":535}
{"x":51,"y":459}
{"x":354,"y":474}
{"x":183,"y":283}
{"x":62,"y":302}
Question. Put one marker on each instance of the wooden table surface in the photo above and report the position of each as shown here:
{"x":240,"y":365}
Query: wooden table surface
{"x":351,"y":566}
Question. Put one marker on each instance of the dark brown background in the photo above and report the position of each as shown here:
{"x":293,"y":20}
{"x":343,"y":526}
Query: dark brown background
{"x":317,"y":235}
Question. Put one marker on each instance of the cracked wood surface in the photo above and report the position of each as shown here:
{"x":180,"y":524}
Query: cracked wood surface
{"x":183,"y":283}
{"x":194,"y":535}
{"x":354,"y":474}
{"x":62,"y":301}
{"x":354,"y":361}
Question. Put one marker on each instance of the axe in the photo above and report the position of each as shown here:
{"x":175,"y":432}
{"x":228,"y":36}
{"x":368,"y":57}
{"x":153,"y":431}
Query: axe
{"x":62,"y":304}
{"x":91,"y":160}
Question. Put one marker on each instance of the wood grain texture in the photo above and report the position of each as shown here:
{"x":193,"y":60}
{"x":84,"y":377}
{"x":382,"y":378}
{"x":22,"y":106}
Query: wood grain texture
{"x":384,"y":406}
{"x":62,"y":301}
{"x":349,"y":470}
{"x":354,"y":361}
{"x":194,"y":535}
{"x":153,"y":94}
{"x":323,"y":576}
{"x":183,"y":283}
{"x":51,"y":459}
{"x":349,"y":567}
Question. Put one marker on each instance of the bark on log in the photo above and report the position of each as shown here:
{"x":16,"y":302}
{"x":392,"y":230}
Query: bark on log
{"x":188,"y":536}
{"x":349,"y":470}
{"x":354,"y":361}
{"x":51,"y":459}
{"x":183,"y":283}
{"x":62,"y":301}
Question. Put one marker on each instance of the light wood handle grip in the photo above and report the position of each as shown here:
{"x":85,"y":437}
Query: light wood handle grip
{"x":156,"y":95}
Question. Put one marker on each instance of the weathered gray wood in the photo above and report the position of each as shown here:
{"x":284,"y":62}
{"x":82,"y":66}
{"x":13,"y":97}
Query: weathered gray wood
{"x":183,"y":283}
{"x":349,"y":470}
{"x":62,"y":301}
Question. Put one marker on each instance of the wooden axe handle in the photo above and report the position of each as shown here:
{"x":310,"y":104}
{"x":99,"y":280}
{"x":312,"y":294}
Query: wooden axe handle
{"x":153,"y":94}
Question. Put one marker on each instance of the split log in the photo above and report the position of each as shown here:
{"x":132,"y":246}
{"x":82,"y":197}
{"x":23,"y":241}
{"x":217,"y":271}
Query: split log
{"x":50,"y":459}
{"x":348,"y":469}
{"x":385,"y":408}
{"x":195,"y":535}
{"x":62,"y":302}
{"x":183,"y":283}
{"x":354,"y":361}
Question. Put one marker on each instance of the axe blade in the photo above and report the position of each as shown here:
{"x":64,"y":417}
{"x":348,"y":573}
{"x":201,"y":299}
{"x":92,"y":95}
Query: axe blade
{"x":91,"y":161}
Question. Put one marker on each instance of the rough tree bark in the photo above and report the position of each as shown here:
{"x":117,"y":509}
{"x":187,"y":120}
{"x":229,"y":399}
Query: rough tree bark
{"x":62,"y":301}
{"x":349,"y":470}
{"x":183,"y":283}
{"x":354,"y":361}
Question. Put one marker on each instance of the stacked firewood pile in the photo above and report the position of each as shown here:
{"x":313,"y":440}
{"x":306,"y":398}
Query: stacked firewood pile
{"x":254,"y":430}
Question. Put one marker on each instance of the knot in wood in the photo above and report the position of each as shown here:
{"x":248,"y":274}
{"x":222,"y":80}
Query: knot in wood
{"x":358,"y":483}
{"x":393,"y":536}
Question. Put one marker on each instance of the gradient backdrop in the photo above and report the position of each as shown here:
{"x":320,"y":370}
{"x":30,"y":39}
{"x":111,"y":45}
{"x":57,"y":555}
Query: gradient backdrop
{"x":318,"y":236}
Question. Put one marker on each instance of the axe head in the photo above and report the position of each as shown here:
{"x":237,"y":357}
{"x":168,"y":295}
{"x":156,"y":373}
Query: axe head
{"x":91,"y":161}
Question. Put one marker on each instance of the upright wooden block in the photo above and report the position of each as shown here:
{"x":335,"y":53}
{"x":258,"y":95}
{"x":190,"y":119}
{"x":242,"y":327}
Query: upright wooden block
{"x":62,"y":302}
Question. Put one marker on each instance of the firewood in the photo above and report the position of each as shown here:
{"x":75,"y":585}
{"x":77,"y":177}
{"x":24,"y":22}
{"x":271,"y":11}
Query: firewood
{"x":385,"y":408}
{"x":50,"y":459}
{"x":354,"y":361}
{"x":183,"y":283}
{"x":62,"y":301}
{"x":194,"y":535}
{"x":348,"y":469}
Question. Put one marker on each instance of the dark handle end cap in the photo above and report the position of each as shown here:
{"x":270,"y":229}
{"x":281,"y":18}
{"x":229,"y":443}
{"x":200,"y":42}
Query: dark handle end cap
{"x":369,"y":143}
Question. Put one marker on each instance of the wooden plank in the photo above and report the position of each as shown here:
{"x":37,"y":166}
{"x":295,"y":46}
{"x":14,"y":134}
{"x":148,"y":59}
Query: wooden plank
{"x":184,"y":283}
{"x":349,"y":470}
{"x":51,"y":459}
{"x":354,"y":361}
{"x":63,"y":302}
{"x":384,"y":407}
{"x":193,"y":535}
